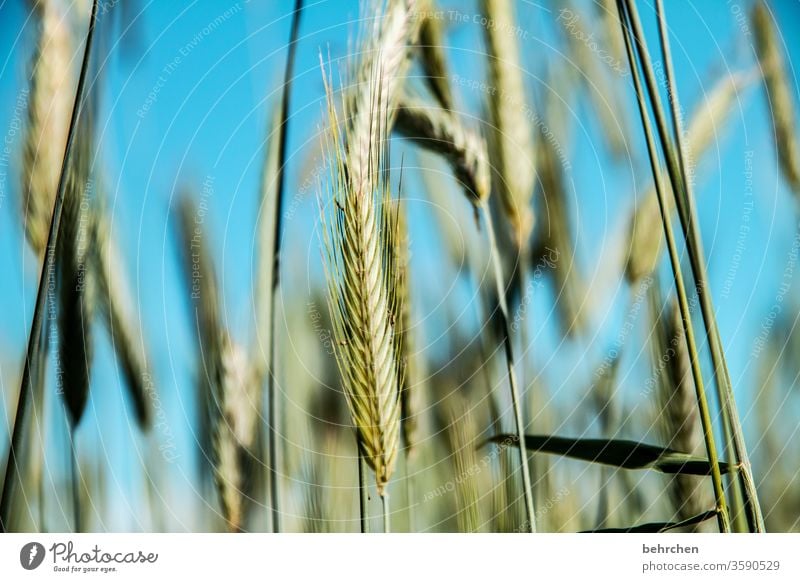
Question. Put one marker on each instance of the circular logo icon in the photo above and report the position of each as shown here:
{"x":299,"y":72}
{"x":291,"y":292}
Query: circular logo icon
{"x":31,"y":555}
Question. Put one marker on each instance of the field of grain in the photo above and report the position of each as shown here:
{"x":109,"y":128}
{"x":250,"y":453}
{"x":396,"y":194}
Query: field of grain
{"x":399,"y":266}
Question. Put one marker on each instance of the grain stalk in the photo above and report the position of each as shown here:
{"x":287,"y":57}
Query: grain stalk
{"x":719,"y":494}
{"x":677,"y":410}
{"x":683,"y":188}
{"x":12,"y":474}
{"x":645,"y":242}
{"x":273,"y":186}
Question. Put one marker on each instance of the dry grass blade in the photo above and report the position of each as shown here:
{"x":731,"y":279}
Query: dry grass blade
{"x":779,"y":92}
{"x":115,"y":302}
{"x":442,"y":132}
{"x":76,"y":278}
{"x":358,"y":255}
{"x":49,"y":106}
{"x":511,"y":128}
{"x":432,"y":55}
{"x":646,"y":235}
{"x":678,"y":418}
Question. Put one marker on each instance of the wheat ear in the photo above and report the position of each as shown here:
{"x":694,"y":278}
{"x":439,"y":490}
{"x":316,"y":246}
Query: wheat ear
{"x":357,"y":252}
{"x":115,"y":303}
{"x":442,"y":132}
{"x":49,"y":106}
{"x":432,"y":55}
{"x":228,"y":380}
{"x":779,"y":93}
{"x":511,"y":127}
{"x":386,"y":55}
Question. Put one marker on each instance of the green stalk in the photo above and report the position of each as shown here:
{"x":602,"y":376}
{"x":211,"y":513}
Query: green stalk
{"x":76,"y":494}
{"x":386,"y":525}
{"x":272,"y":393}
{"x":512,"y":378}
{"x":705,"y":416}
{"x":363,"y":492}
{"x":12,"y":474}
{"x":687,"y":212}
{"x":717,"y":355}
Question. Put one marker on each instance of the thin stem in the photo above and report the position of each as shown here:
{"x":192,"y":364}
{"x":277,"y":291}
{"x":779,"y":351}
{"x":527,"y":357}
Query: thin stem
{"x":410,"y":496}
{"x":12,"y":474}
{"x":76,"y":492}
{"x":705,"y":416}
{"x":363,"y":492}
{"x":385,"y":500}
{"x":275,"y":252}
{"x":684,"y":200}
{"x":717,"y":354}
{"x":512,"y":378}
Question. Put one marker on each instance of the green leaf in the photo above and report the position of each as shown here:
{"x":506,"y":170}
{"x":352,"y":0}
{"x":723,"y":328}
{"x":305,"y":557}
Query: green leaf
{"x":657,"y":527}
{"x":617,"y":453}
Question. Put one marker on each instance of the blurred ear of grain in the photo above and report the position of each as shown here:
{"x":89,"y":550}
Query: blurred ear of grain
{"x":780,"y":93}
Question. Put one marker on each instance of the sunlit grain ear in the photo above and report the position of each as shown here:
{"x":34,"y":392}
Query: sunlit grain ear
{"x":358,"y":240}
{"x":779,"y":94}
{"x":510,"y":119}
{"x":114,"y":301}
{"x":228,"y":387}
{"x":49,"y":108}
{"x":443,"y":132}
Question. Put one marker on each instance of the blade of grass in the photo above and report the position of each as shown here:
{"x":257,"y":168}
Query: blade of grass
{"x":620,"y":453}
{"x":12,"y":475}
{"x":657,"y":527}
